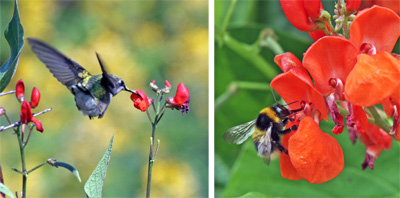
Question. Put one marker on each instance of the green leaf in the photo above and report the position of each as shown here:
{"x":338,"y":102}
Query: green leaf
{"x":5,"y":190}
{"x":69,"y":167}
{"x":14,"y":35}
{"x":94,"y":185}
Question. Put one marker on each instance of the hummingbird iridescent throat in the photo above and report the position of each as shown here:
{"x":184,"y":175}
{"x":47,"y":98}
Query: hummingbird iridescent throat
{"x":92,"y":93}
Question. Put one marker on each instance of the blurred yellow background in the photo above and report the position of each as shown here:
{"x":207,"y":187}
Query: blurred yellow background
{"x":139,"y":41}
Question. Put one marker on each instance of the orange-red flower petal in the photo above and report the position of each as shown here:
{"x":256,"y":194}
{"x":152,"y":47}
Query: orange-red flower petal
{"x":299,"y":16}
{"x":140,"y":100}
{"x":287,"y":169}
{"x":292,"y":88}
{"x":378,"y":26}
{"x":315,"y":155}
{"x":373,"y":79}
{"x":330,"y":58}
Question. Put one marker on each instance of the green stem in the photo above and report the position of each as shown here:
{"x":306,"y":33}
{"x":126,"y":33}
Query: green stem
{"x":345,"y":26}
{"x":251,"y":54}
{"x":234,"y":87}
{"x":378,"y":120}
{"x":228,"y":15}
{"x":22,"y":153}
{"x":36,"y":167}
{"x":151,"y":160}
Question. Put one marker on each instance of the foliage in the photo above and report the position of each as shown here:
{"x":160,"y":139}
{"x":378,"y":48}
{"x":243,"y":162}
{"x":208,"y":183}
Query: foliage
{"x":94,"y":185}
{"x":14,"y":35}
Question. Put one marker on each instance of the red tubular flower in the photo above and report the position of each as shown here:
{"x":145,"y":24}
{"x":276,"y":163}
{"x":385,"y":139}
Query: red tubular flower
{"x":373,"y":79}
{"x":35,"y":97}
{"x":181,"y":99}
{"x":26,"y":116}
{"x":140,"y":100}
{"x":371,"y":154}
{"x":20,"y":90}
{"x":301,"y":13}
{"x":316,"y":156}
{"x":357,"y":121}
{"x":181,"y":96}
{"x":330,"y":58}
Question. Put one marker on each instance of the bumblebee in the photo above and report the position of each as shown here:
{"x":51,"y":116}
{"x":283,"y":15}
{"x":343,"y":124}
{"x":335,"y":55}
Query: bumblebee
{"x":265,"y":131}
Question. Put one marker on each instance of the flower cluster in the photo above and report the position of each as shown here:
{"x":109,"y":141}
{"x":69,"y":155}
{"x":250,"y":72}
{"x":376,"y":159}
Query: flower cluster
{"x":344,"y":75}
{"x":26,"y":113}
{"x":179,"y":102}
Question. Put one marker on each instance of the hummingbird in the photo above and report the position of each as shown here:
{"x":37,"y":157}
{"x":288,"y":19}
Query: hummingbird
{"x":92,"y":93}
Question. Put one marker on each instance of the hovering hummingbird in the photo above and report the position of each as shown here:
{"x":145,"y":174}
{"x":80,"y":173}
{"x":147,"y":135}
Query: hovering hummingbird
{"x":92,"y":93}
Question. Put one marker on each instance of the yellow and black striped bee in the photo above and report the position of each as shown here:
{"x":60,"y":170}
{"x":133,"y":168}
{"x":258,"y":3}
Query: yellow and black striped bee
{"x":265,"y":131}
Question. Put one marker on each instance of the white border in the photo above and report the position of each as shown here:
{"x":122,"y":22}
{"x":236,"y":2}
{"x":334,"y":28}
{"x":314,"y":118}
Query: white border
{"x":211,"y":186}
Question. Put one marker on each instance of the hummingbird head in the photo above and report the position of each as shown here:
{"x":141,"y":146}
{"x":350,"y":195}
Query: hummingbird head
{"x":111,"y":82}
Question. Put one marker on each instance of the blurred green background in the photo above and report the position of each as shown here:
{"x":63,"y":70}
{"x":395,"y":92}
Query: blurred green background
{"x":139,"y":41}
{"x":238,"y":169}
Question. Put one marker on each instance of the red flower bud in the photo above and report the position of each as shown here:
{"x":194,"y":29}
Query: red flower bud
{"x":140,"y":100}
{"x":167,"y":84}
{"x":35,"y":97}
{"x":20,"y":90}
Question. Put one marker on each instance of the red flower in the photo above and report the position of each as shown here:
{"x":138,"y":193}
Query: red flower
{"x":330,"y":58}
{"x":140,"y":100}
{"x":296,"y":85}
{"x":391,"y":4}
{"x":373,"y":79}
{"x":20,"y":90}
{"x":26,"y":116}
{"x":314,"y":155}
{"x":301,"y":13}
{"x":181,"y":99}
{"x":35,"y":97}
{"x":352,"y":5}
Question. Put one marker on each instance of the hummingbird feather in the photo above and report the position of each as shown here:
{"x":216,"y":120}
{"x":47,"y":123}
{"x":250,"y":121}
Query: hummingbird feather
{"x":67,"y":71}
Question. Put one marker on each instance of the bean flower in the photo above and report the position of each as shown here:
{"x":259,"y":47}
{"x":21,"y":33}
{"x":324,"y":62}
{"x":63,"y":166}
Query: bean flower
{"x":339,"y":74}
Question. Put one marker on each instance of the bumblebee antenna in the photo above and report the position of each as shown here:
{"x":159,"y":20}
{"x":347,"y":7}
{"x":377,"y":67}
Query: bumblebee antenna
{"x":273,"y":95}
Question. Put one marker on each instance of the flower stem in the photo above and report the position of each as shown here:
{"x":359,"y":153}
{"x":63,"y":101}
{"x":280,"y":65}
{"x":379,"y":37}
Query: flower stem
{"x":22,"y":153}
{"x":228,"y":15}
{"x":10,"y":92}
{"x":378,"y":120}
{"x":234,"y":87}
{"x":151,"y":159}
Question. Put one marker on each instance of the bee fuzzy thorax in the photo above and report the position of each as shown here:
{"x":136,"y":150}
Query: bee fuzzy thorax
{"x":270,"y":113}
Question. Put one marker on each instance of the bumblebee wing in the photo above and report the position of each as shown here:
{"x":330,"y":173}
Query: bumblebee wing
{"x":240,"y":133}
{"x":264,"y":145}
{"x":67,"y":71}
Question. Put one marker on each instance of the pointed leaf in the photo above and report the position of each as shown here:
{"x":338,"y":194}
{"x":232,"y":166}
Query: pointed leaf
{"x":14,"y":35}
{"x":69,"y":167}
{"x":5,"y":190}
{"x":94,"y":185}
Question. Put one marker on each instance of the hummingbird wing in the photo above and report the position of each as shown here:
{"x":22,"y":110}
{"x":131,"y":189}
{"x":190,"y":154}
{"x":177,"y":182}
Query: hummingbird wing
{"x":67,"y":71}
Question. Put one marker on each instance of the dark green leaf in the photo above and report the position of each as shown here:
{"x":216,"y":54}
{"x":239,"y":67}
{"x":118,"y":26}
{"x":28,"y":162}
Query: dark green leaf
{"x":69,"y":167}
{"x":14,"y":35}
{"x":5,"y":190}
{"x":94,"y":185}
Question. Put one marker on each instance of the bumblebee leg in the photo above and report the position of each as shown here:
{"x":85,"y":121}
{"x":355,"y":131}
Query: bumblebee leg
{"x":282,"y":149}
{"x":293,"y":128}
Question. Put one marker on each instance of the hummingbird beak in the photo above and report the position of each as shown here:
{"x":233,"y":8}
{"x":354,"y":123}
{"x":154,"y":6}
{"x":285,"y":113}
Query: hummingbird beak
{"x":130,"y":90}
